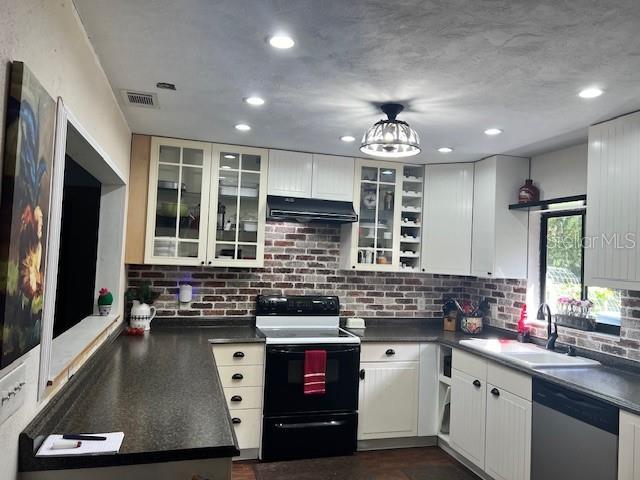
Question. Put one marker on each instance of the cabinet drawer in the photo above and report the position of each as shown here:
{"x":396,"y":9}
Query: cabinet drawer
{"x":246,"y":376}
{"x":239,"y":354}
{"x":242,"y":398}
{"x":508,"y":379}
{"x":390,"y":352}
{"x":246,"y":423}
{"x":470,"y":364}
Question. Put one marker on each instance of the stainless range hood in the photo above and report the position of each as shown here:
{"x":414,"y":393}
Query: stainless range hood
{"x":309,"y":210}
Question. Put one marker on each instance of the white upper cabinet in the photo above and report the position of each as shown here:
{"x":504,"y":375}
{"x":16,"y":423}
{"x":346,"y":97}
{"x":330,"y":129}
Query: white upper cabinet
{"x":448,"y":210}
{"x":238,"y":206}
{"x":306,"y":175}
{"x":290,"y":174}
{"x":373,"y":242}
{"x":206,"y":204}
{"x":499,"y":235}
{"x":613,"y":201}
{"x":178,"y":202}
{"x":332,"y":178}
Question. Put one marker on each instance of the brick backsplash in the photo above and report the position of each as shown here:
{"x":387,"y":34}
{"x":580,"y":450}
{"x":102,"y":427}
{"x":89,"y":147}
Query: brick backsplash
{"x":508,"y":296}
{"x":299,"y":260}
{"x":305,"y":260}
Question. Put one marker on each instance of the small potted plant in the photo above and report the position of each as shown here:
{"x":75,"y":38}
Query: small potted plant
{"x":141,"y":311}
{"x":105,"y":300}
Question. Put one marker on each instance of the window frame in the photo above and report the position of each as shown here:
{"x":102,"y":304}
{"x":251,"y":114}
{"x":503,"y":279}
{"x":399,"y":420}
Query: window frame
{"x":544,"y":225}
{"x":544,"y":221}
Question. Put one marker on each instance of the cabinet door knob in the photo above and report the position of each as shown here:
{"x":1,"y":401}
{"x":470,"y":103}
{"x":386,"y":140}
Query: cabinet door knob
{"x":202,"y":263}
{"x":237,"y":376}
{"x":495,"y":392}
{"x":238,"y":355}
{"x":236,"y":398}
{"x":362,"y":374}
{"x":488,"y":273}
{"x":390,"y":352}
{"x":477,"y":384}
{"x":236,"y":421}
{"x":209,"y":262}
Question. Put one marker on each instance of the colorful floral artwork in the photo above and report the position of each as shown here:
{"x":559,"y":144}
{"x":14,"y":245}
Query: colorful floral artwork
{"x":24,"y":212}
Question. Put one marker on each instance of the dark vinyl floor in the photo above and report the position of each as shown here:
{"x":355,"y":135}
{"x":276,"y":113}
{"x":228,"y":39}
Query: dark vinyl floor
{"x":428,"y":463}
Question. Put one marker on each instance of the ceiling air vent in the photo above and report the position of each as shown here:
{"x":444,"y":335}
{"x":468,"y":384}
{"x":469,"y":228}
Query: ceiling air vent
{"x":140,"y":99}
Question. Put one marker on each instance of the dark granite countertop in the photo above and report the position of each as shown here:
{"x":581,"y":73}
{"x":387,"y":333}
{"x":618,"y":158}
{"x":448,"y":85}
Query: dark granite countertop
{"x":161,"y":390}
{"x":613,"y":385}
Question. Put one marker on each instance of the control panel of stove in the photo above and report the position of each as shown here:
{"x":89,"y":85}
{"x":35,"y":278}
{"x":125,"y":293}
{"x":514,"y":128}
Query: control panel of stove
{"x":297,"y":305}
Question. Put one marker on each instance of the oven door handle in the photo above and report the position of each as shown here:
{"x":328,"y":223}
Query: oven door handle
{"x":301,"y":352}
{"x":295,"y":426}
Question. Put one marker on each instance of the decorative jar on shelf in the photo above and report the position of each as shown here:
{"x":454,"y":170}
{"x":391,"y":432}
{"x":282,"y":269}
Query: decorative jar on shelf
{"x":528,"y":192}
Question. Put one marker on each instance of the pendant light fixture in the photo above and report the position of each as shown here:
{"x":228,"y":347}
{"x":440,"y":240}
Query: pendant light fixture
{"x":391,"y":138}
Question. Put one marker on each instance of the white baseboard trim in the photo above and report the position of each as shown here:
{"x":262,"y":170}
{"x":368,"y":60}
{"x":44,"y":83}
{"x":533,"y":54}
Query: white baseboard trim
{"x":404,"y":442}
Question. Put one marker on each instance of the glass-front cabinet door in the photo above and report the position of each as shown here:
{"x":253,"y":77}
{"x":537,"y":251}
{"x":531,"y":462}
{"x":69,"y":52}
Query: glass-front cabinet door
{"x":238,"y":206}
{"x":378,"y":191}
{"x":177,"y":207}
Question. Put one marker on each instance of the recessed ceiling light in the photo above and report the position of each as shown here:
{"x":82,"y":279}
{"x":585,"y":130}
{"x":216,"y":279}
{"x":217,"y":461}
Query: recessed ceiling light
{"x":225,"y":167}
{"x":281,"y":41}
{"x":347,"y":138}
{"x":445,"y":149}
{"x":492,"y":131}
{"x":387,"y":172}
{"x":243,"y":127}
{"x":591,"y":92}
{"x":255,"y":101}
{"x":230,"y":157}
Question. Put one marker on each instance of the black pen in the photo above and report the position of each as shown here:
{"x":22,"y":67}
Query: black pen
{"x":83,"y":437}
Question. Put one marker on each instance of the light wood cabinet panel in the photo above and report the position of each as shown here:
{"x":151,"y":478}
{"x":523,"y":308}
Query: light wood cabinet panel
{"x":138,"y":193}
{"x":388,"y":406}
{"x":290,"y":174}
{"x":508,"y":435}
{"x":448,"y":210}
{"x":332,"y":178}
{"x":613,"y":200}
{"x":468,"y":416}
{"x":629,"y":447}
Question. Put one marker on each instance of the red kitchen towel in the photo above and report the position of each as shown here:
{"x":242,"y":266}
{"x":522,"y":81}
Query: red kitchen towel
{"x":315,"y":366}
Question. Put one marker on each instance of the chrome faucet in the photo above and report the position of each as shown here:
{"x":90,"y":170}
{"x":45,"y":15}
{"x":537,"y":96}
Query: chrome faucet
{"x":552,"y":336}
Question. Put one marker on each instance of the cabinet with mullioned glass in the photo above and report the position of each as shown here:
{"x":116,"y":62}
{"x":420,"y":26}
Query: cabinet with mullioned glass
{"x":206,"y":204}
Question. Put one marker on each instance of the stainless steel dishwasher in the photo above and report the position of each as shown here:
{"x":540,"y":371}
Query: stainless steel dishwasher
{"x":574,"y":436}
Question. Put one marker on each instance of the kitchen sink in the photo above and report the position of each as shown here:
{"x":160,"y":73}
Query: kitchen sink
{"x":526,"y":354}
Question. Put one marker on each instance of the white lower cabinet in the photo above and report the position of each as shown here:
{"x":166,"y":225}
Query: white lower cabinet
{"x":629,"y":447}
{"x":389,"y":379}
{"x":388,"y":400}
{"x":468,"y":411}
{"x":241,"y":371}
{"x":491,"y":416}
{"x":508,"y":435}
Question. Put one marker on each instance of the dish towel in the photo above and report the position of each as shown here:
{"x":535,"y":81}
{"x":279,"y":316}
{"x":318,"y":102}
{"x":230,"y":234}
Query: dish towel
{"x":315,"y":366}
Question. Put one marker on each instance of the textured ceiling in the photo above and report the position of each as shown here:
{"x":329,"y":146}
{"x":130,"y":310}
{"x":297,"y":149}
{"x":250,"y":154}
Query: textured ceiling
{"x":460,"y":66}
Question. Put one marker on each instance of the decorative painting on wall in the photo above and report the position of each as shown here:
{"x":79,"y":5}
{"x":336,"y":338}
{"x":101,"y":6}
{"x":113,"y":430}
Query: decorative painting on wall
{"x":24,"y":212}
